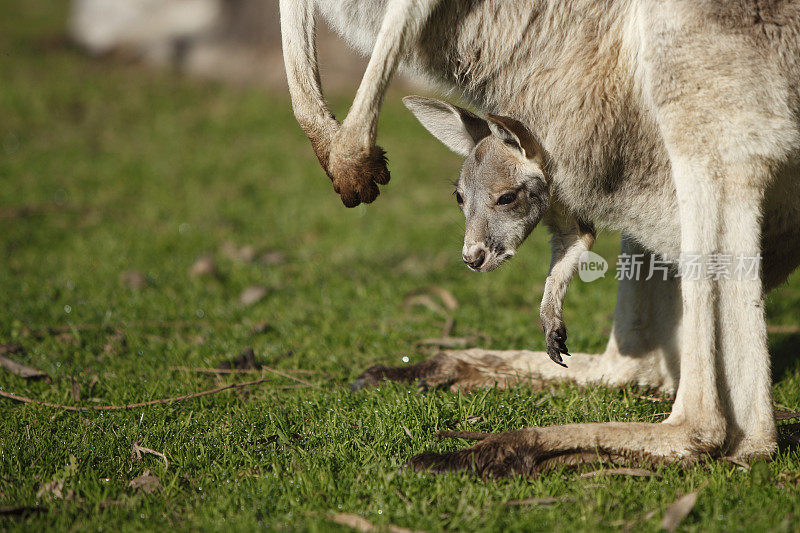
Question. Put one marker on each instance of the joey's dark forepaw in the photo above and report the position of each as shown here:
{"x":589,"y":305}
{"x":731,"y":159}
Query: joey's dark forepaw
{"x":557,"y":344}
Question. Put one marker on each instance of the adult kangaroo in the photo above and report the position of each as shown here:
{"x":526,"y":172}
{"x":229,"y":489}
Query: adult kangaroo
{"x":674,"y":121}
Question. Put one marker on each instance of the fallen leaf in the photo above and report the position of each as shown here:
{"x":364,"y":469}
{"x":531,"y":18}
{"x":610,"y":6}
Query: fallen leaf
{"x":244,"y":361}
{"x":362,"y":524}
{"x":117,"y":340}
{"x":634,"y":472}
{"x":680,"y":509}
{"x":51,"y":489}
{"x":272,"y":258}
{"x":147,"y":483}
{"x":204,"y":266}
{"x":20,"y":369}
{"x":138,"y":451}
{"x":133,"y":279}
{"x":244,"y":253}
{"x":252,"y":294}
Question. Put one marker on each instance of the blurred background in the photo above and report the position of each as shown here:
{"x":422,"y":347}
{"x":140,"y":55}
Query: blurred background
{"x":236,"y":41}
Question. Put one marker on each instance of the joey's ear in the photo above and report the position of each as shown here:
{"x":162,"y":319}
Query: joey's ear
{"x":457,"y":128}
{"x":515,"y":134}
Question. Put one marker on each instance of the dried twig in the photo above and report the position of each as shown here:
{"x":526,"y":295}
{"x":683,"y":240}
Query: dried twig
{"x":25,"y":399}
{"x":467,"y":435}
{"x":736,"y":462}
{"x":137,"y":451}
{"x":536,"y":501}
{"x":288,"y":376}
{"x":21,"y":370}
{"x":786,"y":415}
{"x":446,"y":342}
{"x":363,"y":525}
{"x":634,"y":472}
{"x":779,"y":328}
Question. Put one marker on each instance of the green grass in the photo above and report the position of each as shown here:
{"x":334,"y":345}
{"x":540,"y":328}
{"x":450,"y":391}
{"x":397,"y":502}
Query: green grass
{"x":124,"y":168}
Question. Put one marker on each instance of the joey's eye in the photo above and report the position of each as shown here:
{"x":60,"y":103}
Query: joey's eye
{"x":507,"y":198}
{"x":459,"y":198}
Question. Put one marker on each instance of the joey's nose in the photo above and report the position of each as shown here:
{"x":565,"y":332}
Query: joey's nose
{"x":475,"y":258}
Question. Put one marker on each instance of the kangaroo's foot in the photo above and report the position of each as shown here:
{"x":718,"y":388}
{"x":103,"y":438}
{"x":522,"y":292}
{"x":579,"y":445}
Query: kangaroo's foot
{"x":529,"y":451}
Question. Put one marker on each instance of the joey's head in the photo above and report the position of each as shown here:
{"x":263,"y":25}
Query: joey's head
{"x":503,"y":189}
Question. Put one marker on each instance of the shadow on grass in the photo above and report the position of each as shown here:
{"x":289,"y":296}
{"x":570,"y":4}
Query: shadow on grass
{"x":784,"y":349}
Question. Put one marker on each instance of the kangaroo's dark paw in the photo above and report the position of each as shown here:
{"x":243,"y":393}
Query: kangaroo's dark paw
{"x":357,"y":174}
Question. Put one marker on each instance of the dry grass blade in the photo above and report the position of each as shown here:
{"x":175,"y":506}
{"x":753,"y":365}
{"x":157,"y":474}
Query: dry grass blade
{"x":536,"y":501}
{"x":792,"y":328}
{"x":425,"y":301}
{"x":147,"y":482}
{"x":252,"y":295}
{"x":362,"y":524}
{"x":446,"y":296}
{"x":737,"y":462}
{"x":448,"y":326}
{"x":216,"y":370}
{"x":287,"y":376}
{"x":21,"y":370}
{"x":786,"y":415}
{"x":680,"y":509}
{"x":446,"y":342}
{"x":138,"y":451}
{"x":467,"y":435}
{"x":80,"y":408}
{"x":204,"y":266}
{"x":633,"y":472}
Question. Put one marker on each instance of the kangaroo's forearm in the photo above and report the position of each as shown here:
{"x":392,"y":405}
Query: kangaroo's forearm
{"x":298,"y":35}
{"x":566,"y":250}
{"x":570,"y":239}
{"x":401,"y":27}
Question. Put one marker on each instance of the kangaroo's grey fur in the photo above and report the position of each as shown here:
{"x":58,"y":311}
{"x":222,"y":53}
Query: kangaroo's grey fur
{"x":674,"y":121}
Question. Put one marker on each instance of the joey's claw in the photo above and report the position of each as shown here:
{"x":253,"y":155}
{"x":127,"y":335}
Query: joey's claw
{"x":556,"y":339}
{"x":555,"y":356}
